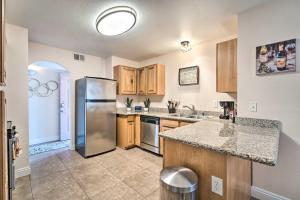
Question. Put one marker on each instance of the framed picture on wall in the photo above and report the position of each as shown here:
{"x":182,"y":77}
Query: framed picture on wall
{"x":188,"y":76}
{"x":276,"y":58}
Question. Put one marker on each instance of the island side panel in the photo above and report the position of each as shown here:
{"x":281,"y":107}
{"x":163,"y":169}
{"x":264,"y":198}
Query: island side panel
{"x":206,"y":163}
{"x":239,"y":178}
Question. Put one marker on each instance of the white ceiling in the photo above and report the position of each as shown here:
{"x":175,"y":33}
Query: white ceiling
{"x":161,"y":24}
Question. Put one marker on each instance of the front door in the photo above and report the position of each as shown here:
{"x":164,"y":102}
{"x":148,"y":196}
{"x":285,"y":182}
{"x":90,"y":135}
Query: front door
{"x":64,"y":106}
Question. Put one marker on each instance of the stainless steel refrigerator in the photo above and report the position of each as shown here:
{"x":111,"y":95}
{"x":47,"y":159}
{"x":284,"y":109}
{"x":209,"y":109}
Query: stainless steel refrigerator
{"x":95,"y":115}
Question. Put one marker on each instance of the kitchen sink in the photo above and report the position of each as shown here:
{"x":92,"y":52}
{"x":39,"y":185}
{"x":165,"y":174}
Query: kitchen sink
{"x":191,"y":116}
{"x":180,"y":115}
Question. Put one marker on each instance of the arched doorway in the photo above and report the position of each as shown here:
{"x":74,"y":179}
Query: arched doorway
{"x":49,"y":107}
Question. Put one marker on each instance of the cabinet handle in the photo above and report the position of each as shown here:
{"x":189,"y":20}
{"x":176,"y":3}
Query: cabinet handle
{"x":131,"y":81}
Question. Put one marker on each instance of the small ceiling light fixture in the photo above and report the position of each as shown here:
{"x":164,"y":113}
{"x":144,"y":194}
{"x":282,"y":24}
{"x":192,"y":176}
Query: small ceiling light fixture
{"x":185,"y":46}
{"x":116,"y":20}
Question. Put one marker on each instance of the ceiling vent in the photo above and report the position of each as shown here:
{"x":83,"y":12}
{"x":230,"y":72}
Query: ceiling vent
{"x":78,"y":57}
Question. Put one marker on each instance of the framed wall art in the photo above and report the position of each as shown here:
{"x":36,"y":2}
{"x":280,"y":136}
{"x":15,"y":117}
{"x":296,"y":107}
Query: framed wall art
{"x":188,"y":76}
{"x":276,"y":58}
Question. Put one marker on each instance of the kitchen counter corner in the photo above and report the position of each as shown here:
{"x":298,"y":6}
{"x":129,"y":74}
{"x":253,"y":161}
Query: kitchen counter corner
{"x":258,"y":144}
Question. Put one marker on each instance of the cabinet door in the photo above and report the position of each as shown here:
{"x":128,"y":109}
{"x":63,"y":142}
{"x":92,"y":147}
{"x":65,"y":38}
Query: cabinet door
{"x":130,"y":133}
{"x":226,"y":66}
{"x":161,"y":140}
{"x":137,"y":131}
{"x":152,"y":79}
{"x":128,"y":80}
{"x":141,"y":81}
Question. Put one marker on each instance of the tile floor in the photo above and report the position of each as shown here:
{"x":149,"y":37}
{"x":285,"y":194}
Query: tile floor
{"x":64,"y":174}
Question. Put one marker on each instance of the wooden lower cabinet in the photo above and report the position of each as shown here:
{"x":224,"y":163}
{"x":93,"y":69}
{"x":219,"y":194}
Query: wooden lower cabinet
{"x":125,"y":131}
{"x":234,"y":171}
{"x":161,"y":140}
{"x":130,"y":133}
{"x":169,"y":123}
{"x":166,"y":124}
{"x":137,"y":133}
{"x":129,"y":130}
{"x":184,"y":123}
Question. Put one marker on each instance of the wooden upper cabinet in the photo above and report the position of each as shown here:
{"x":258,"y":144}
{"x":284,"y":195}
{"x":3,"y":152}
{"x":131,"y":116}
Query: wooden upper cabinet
{"x":155,"y":76}
{"x":227,"y":66}
{"x":142,"y":81}
{"x":151,"y":79}
{"x":126,"y":78}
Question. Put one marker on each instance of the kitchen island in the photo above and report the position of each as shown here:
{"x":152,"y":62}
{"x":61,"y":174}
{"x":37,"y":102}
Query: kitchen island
{"x":223,"y":150}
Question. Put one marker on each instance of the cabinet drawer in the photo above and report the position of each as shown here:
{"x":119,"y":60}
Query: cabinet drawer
{"x":184,"y":123}
{"x":163,"y":128}
{"x":169,"y":123}
{"x":130,"y":118}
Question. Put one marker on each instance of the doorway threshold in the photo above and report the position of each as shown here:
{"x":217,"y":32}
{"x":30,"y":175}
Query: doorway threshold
{"x":48,"y":146}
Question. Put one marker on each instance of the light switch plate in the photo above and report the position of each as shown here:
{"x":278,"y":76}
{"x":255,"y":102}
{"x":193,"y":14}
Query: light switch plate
{"x":215,"y":103}
{"x":252,"y":106}
{"x":217,"y":185}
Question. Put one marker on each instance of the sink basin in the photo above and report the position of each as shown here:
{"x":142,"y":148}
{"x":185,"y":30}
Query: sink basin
{"x":190,"y":116}
{"x":181,"y":115}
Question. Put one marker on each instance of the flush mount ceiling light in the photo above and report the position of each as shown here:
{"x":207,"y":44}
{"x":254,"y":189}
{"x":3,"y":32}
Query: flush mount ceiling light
{"x":185,"y":46}
{"x":116,"y":20}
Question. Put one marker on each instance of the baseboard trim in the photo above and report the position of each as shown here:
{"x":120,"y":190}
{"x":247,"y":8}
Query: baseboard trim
{"x":262,"y":194}
{"x":23,"y":172}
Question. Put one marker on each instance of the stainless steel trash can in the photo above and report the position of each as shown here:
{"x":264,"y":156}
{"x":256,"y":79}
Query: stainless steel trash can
{"x":178,"y":183}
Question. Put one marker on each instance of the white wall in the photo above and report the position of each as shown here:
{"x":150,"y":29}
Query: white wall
{"x":92,"y":66}
{"x":17,"y":87}
{"x":278,"y":96}
{"x":44,"y":115}
{"x":202,"y":95}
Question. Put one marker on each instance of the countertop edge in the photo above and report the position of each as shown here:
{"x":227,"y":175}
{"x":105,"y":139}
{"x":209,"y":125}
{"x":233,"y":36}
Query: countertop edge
{"x":223,"y":151}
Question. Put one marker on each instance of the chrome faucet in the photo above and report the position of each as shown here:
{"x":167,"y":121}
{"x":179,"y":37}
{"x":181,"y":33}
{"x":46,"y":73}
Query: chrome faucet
{"x":192,"y":108}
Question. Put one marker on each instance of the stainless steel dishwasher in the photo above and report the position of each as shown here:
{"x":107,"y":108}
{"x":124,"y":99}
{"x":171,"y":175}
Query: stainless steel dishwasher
{"x":149,"y":133}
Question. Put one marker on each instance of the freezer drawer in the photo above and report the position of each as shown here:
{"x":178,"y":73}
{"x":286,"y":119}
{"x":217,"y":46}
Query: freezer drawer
{"x":100,"y":127}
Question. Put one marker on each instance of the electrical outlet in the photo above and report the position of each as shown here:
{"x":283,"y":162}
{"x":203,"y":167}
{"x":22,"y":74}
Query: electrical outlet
{"x":252,"y":107}
{"x":217,"y":185}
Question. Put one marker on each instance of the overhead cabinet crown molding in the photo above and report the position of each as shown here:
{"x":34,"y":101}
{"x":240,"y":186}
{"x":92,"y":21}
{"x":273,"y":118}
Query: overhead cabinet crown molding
{"x":149,"y":80}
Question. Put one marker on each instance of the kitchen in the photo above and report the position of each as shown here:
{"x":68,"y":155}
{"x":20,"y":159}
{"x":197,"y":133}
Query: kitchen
{"x":263,"y":105}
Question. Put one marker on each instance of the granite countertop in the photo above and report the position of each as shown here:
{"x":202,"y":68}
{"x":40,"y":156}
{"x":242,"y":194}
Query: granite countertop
{"x":255,"y":143}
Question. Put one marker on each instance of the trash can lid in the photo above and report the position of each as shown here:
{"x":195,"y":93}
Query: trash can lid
{"x":179,"y":179}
